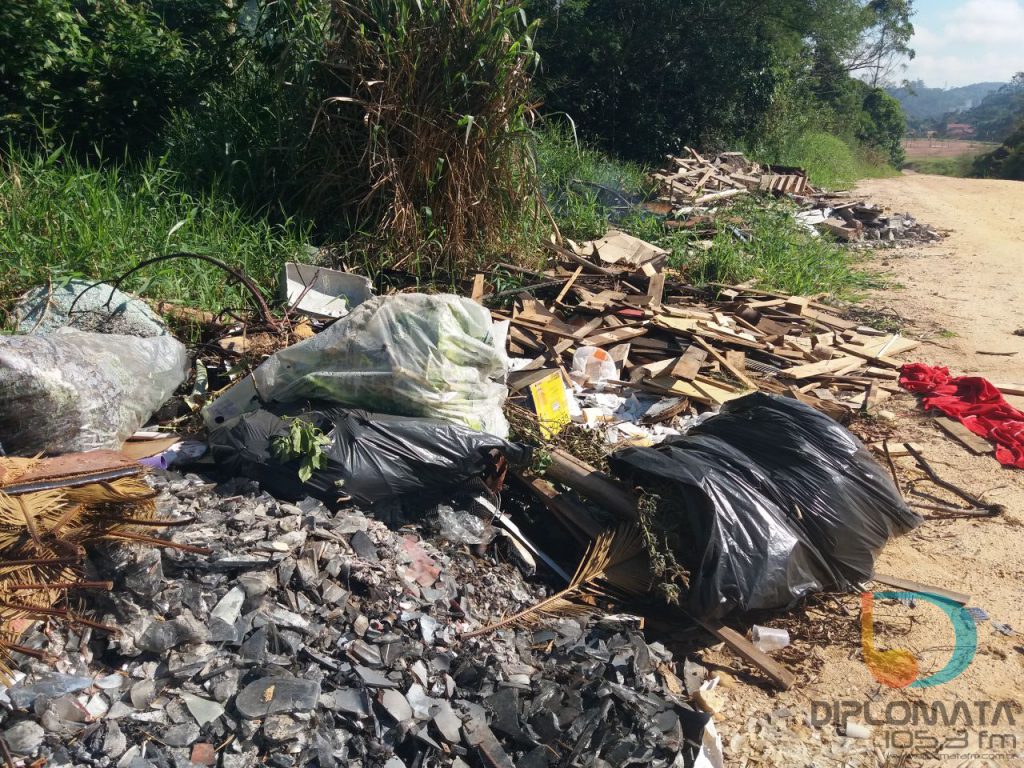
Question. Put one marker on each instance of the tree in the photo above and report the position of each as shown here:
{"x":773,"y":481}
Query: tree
{"x":104,"y":72}
{"x":882,"y":124}
{"x":884,"y":40}
{"x":649,"y":76}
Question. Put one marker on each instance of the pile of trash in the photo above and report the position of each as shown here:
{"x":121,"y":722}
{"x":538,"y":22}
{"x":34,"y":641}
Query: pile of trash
{"x":306,"y":637}
{"x":359,"y":568}
{"x":692,"y":187}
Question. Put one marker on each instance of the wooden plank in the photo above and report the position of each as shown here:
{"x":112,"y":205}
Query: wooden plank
{"x":896,"y":450}
{"x":569,"y":510}
{"x":976,"y":444}
{"x":619,"y":353}
{"x":832,"y":321}
{"x":568,"y":285}
{"x":614,"y":336}
{"x":816,"y":369}
{"x":701,"y":390}
{"x":916,"y":586}
{"x":688,"y":366}
{"x":797,"y":305}
{"x":656,"y":289}
{"x":738,"y":373}
{"x":853,"y":349}
{"x":595,"y":485}
{"x":541,"y":329}
{"x":478,"y":287}
{"x":652,"y":370}
{"x":1010,"y":389}
{"x":713,"y":196}
{"x":587,"y":328}
{"x":746,"y":650}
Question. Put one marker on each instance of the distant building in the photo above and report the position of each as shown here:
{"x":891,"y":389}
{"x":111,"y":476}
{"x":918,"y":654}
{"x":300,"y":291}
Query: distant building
{"x":959,"y":130}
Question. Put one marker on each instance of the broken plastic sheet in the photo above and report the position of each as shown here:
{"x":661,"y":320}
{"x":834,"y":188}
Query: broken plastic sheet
{"x":773,"y":500}
{"x":372,"y":457}
{"x":323,"y":293}
{"x":408,"y":354}
{"x":74,"y":391}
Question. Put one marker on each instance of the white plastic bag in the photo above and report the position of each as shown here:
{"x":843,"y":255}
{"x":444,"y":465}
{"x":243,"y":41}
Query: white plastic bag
{"x":593,"y":366}
{"x":409,"y":355}
{"x":76,"y":391}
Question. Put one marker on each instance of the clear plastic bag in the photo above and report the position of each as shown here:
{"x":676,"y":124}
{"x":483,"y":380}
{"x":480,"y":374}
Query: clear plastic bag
{"x":593,"y":366}
{"x":408,"y":355}
{"x":76,"y":391}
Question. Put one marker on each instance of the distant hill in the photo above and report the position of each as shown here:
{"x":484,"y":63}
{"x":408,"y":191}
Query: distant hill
{"x":922,"y":103}
{"x":998,"y":114}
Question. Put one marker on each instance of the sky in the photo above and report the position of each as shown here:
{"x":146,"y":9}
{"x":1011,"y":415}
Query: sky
{"x":959,"y":42}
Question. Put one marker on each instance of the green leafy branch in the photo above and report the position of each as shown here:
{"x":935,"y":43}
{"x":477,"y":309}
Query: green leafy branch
{"x":304,"y":442}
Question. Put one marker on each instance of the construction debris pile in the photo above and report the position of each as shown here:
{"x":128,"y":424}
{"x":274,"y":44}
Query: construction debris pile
{"x":690,"y":187}
{"x":306,"y":637}
{"x":666,"y":339}
{"x":401,"y":599}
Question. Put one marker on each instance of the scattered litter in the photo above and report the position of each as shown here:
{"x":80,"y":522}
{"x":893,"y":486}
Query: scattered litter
{"x":855,"y":730}
{"x":693,"y":186}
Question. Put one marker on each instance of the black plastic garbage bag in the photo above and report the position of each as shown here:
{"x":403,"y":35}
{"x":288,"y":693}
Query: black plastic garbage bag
{"x":372,"y":457}
{"x":844,"y":500}
{"x":773,"y":501}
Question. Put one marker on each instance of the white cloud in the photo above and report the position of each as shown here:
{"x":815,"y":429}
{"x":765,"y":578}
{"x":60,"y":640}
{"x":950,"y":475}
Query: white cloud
{"x":976,"y":40}
{"x":987,"y":21}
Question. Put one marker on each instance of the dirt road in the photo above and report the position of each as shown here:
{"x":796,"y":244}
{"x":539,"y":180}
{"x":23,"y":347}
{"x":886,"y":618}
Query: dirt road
{"x":964,"y":297}
{"x":971,"y":284}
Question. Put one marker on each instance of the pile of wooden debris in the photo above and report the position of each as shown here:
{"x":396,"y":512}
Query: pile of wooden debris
{"x":700,"y":346}
{"x":687,"y":186}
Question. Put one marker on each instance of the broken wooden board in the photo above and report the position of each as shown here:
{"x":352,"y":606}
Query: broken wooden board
{"x":835,"y":365}
{"x":746,"y":650}
{"x":619,"y":249}
{"x":614,"y":336}
{"x":701,"y":391}
{"x":916,"y":586}
{"x":688,"y":366}
{"x":976,"y":444}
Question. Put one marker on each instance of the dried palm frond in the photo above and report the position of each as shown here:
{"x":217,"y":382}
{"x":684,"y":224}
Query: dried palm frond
{"x":42,"y":538}
{"x":28,"y":520}
{"x":615,"y":563}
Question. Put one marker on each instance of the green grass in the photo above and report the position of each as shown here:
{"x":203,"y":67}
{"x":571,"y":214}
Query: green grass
{"x":829,"y":161}
{"x":583,"y":187}
{"x":959,"y":167}
{"x":61,"y":219}
{"x":777,"y":254}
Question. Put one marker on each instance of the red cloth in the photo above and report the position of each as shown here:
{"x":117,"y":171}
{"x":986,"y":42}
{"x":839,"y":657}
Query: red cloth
{"x":975,"y":402}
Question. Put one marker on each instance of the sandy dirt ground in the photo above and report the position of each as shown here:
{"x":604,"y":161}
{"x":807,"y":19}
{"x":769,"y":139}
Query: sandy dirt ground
{"x":964,"y":297}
